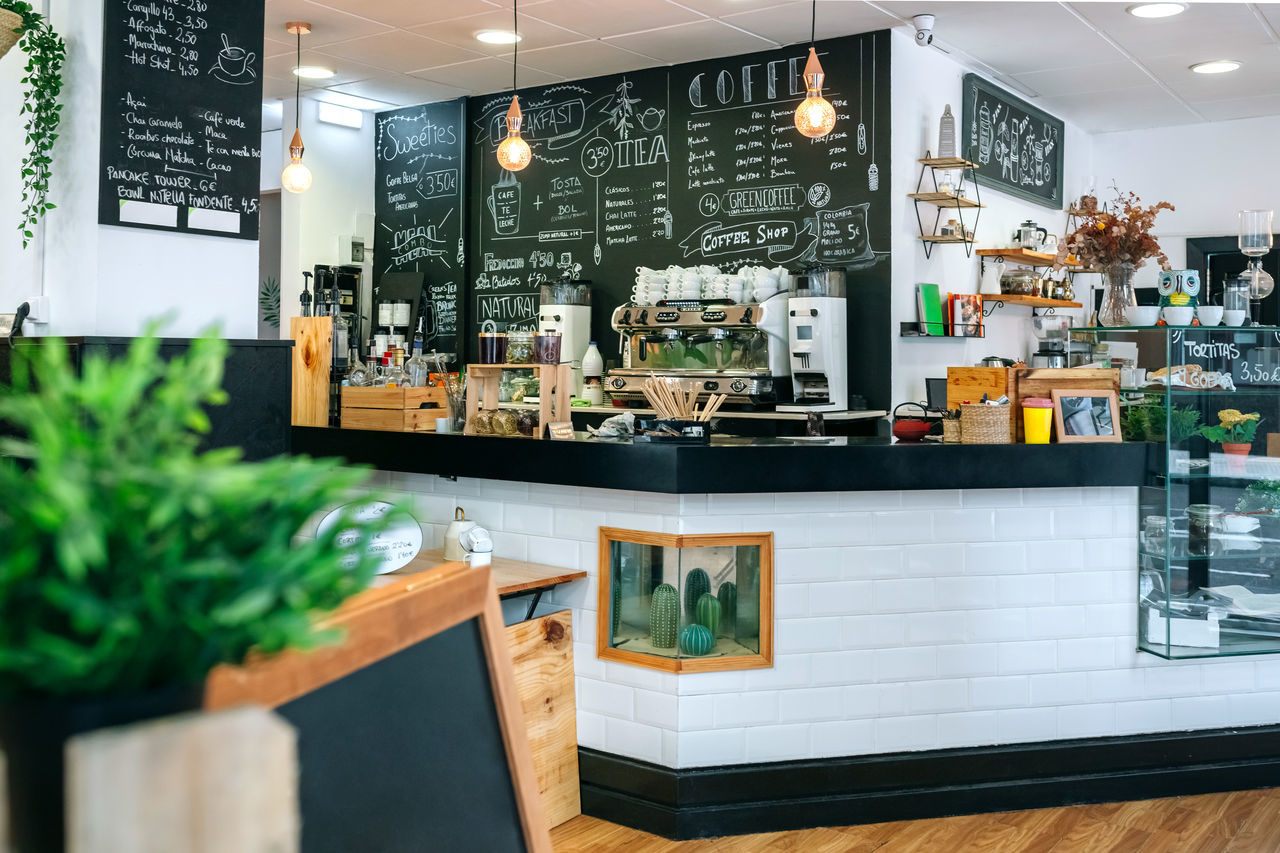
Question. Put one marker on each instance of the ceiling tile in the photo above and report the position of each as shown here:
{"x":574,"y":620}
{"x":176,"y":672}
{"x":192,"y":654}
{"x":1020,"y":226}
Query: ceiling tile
{"x":327,"y":25}
{"x":461,"y":32}
{"x":1099,"y":77}
{"x":1259,"y":75}
{"x":411,"y":13}
{"x":788,"y":23}
{"x":584,"y":59}
{"x":1121,"y":109}
{"x":720,"y":8}
{"x":401,"y":90}
{"x":1227,"y":110}
{"x":400,"y":51}
{"x":345,"y":70}
{"x":1197,"y":34}
{"x":599,"y":19}
{"x":482,"y":76}
{"x":705,"y":39}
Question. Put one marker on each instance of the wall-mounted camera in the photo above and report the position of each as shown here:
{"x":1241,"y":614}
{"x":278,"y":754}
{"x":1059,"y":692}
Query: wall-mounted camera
{"x":924,"y":29}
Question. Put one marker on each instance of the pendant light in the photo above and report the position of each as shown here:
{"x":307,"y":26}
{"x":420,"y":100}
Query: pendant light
{"x":815,"y":117}
{"x":514,"y":153}
{"x":296,"y":177}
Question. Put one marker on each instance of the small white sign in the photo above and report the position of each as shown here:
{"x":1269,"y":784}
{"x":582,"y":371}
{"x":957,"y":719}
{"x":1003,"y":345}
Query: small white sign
{"x":395,"y":546}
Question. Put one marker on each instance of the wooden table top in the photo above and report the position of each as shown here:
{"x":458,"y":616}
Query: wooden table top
{"x":509,"y":576}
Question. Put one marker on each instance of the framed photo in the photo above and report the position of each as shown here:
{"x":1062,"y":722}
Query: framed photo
{"x":1083,"y":415}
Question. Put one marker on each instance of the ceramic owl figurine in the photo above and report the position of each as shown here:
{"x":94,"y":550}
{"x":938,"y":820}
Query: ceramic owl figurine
{"x":1179,"y":288}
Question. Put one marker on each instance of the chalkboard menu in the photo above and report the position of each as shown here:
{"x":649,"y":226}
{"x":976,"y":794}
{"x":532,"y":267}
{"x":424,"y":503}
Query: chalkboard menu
{"x":1017,"y":147}
{"x":692,"y":164}
{"x":419,"y":205}
{"x":182,"y":115}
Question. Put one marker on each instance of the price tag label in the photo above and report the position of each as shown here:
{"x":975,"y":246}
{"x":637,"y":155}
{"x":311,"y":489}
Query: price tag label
{"x":561,"y":430}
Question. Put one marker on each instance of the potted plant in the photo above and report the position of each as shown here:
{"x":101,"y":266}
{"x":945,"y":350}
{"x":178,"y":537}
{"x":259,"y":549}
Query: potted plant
{"x":1118,"y":242}
{"x":46,"y":52}
{"x":133,"y":563}
{"x":1235,"y":431}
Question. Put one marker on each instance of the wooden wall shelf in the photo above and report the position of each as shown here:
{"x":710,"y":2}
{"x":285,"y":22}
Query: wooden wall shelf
{"x":945,"y":200}
{"x":1033,"y":301}
{"x":1025,"y":257}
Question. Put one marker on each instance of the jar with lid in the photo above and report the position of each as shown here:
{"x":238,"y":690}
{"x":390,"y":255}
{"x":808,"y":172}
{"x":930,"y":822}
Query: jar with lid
{"x":481,"y":423}
{"x":1155,"y":530}
{"x":527,"y":422}
{"x":1203,"y":520}
{"x":504,"y":422}
{"x":493,"y":347}
{"x":519,"y":347}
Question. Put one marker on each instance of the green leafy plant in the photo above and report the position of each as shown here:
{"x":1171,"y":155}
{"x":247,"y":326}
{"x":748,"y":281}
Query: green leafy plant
{"x":46,"y":52}
{"x":269,"y":301}
{"x":131,"y":559}
{"x":1234,"y":427}
{"x":1262,"y":496}
{"x":1146,"y":422}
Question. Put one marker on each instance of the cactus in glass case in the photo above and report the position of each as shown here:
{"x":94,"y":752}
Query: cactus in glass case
{"x":664,"y":615}
{"x":696,"y":584}
{"x":708,"y":613}
{"x":615,"y":618}
{"x":728,"y":596}
{"x":696,"y":640}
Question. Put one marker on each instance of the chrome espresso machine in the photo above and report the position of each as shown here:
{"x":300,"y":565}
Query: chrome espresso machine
{"x":712,"y":346}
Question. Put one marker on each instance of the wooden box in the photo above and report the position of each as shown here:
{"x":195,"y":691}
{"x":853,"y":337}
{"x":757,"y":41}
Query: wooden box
{"x":394,"y":409}
{"x":1041,"y":381}
{"x":555,"y":391}
{"x":968,"y":384}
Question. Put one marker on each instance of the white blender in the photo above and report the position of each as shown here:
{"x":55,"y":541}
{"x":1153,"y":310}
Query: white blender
{"x":817,"y":331}
{"x":565,"y":307}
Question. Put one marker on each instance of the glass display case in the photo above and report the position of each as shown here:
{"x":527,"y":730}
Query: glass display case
{"x":693,"y":603}
{"x":1209,"y":513}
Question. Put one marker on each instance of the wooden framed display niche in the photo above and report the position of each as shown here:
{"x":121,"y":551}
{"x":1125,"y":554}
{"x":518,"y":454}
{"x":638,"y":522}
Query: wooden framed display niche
{"x":686,"y":603}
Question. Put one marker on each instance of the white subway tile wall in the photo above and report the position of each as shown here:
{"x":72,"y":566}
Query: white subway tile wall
{"x":904,"y":621}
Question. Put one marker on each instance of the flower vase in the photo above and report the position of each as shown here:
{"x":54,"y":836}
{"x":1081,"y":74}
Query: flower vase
{"x":1236,"y":453}
{"x":1117,"y":295}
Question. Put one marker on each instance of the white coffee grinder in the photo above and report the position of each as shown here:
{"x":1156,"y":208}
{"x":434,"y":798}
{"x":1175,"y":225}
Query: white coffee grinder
{"x":564,"y":306}
{"x":817,"y":330}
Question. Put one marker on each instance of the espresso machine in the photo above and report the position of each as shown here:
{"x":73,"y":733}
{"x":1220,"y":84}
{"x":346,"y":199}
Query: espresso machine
{"x":564,"y":306}
{"x":817,"y":335}
{"x":710,"y":346}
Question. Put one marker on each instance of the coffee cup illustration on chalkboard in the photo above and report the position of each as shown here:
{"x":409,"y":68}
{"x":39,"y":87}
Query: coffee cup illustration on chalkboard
{"x":504,"y":205}
{"x":234,"y":65}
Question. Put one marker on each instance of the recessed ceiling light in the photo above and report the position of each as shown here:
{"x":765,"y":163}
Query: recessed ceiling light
{"x":1156,"y":10}
{"x":1215,"y":66}
{"x":313,"y":72}
{"x":498,"y":37}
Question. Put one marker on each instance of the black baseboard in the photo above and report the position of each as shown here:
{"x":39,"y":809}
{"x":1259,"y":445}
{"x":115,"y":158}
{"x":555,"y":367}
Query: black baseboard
{"x":707,"y":802}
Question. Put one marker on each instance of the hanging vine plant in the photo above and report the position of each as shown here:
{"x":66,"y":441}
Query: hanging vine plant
{"x":46,"y":52}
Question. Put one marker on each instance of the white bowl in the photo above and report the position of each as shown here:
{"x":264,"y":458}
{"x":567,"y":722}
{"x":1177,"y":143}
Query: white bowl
{"x":1235,"y":317}
{"x":1210,"y":315}
{"x":1179,"y":315}
{"x":1143,"y":315}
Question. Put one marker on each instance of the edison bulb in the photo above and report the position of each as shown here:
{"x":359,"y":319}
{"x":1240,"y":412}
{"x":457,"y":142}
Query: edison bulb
{"x":815,"y":117}
{"x":514,"y":153}
{"x":296,"y":177}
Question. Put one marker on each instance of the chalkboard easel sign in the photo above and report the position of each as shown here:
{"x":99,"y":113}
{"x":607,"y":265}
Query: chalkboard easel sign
{"x":1017,"y":147}
{"x":182,"y":116}
{"x":409,"y":739}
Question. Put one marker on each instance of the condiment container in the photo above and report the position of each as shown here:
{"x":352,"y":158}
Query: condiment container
{"x":1037,"y":419}
{"x":493,"y":347}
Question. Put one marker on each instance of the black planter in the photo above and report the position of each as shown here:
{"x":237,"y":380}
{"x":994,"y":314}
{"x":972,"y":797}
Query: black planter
{"x":33,"y":734}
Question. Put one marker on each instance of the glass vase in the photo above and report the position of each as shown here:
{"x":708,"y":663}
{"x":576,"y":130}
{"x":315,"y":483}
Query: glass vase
{"x":1117,"y":295}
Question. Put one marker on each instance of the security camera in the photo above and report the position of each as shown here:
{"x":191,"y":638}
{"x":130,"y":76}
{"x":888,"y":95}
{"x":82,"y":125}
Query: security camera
{"x":924,"y":29}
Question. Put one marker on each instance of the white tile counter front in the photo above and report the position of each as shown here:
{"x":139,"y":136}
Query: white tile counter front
{"x":905,"y":621}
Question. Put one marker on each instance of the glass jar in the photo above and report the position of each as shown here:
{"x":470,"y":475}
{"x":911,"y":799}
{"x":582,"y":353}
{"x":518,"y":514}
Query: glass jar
{"x":527,"y":422}
{"x":1235,"y":293}
{"x":493,"y":347}
{"x":506,"y":387}
{"x":546,"y":347}
{"x":1155,"y":529}
{"x":519,"y":348}
{"x":481,"y":423}
{"x":1203,"y":520}
{"x":504,"y":422}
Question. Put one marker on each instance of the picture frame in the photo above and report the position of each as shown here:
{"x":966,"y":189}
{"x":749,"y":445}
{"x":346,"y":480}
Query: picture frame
{"x":1086,"y":415}
{"x":1017,"y":147}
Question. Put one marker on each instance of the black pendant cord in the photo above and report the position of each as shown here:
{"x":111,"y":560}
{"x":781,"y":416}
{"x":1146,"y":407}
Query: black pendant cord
{"x":297,"y":83}
{"x":515,"y":45}
{"x":813,"y":22}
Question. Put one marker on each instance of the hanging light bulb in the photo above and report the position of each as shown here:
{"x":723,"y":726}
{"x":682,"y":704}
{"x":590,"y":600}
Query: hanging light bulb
{"x":296,"y":177}
{"x":815,"y":117}
{"x":514,"y":153}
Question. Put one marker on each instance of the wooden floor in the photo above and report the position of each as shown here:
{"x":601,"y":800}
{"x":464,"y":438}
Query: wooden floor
{"x":1239,"y":822}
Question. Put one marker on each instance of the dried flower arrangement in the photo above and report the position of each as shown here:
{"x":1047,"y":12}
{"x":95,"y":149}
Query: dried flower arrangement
{"x":1121,"y":236}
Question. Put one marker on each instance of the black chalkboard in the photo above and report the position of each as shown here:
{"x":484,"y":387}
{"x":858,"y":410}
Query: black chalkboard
{"x":406,"y":755}
{"x":182,"y":116}
{"x":419,"y":205}
{"x":692,"y":164}
{"x":1017,"y":147}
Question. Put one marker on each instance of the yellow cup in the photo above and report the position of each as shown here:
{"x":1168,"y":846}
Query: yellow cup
{"x":1037,"y":420}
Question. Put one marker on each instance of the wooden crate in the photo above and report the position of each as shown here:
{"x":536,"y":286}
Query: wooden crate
{"x":394,"y":409}
{"x":1041,"y":381}
{"x":312,"y":353}
{"x":555,"y":390}
{"x":970,"y":383}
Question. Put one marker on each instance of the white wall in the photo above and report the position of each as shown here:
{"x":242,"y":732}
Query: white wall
{"x":101,"y":279}
{"x":924,"y":82}
{"x":341,"y":194}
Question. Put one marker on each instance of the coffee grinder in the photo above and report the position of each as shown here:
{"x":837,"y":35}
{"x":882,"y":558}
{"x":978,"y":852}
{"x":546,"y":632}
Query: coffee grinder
{"x":1051,"y":331}
{"x":817,"y":329}
{"x":564,"y":306}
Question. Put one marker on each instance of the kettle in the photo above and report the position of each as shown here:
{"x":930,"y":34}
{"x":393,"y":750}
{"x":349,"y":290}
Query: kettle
{"x":1026,"y":237}
{"x":454,"y":548}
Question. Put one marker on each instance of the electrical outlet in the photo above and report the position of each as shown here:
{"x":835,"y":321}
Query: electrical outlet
{"x":39,"y":309}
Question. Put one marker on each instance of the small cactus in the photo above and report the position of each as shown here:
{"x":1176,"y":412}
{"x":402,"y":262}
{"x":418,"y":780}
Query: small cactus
{"x":615,"y":618}
{"x":728,"y":595}
{"x":696,"y":640}
{"x":664,"y":613}
{"x":709,"y":613}
{"x":695,"y":585}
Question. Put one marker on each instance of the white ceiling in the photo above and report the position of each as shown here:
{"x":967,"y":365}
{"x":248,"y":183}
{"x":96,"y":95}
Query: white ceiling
{"x":1088,"y":62}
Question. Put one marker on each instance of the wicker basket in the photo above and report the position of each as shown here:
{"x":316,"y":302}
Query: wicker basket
{"x":982,"y":424}
{"x":951,"y":431}
{"x":10,"y":23}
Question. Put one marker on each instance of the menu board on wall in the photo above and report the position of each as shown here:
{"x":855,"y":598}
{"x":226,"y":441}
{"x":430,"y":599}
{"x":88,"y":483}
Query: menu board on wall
{"x":419,"y":170}
{"x":693,"y":164}
{"x":1017,"y":147}
{"x":182,"y":116}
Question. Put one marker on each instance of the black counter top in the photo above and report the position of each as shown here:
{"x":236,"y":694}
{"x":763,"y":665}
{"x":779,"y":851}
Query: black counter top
{"x":740,"y":465}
